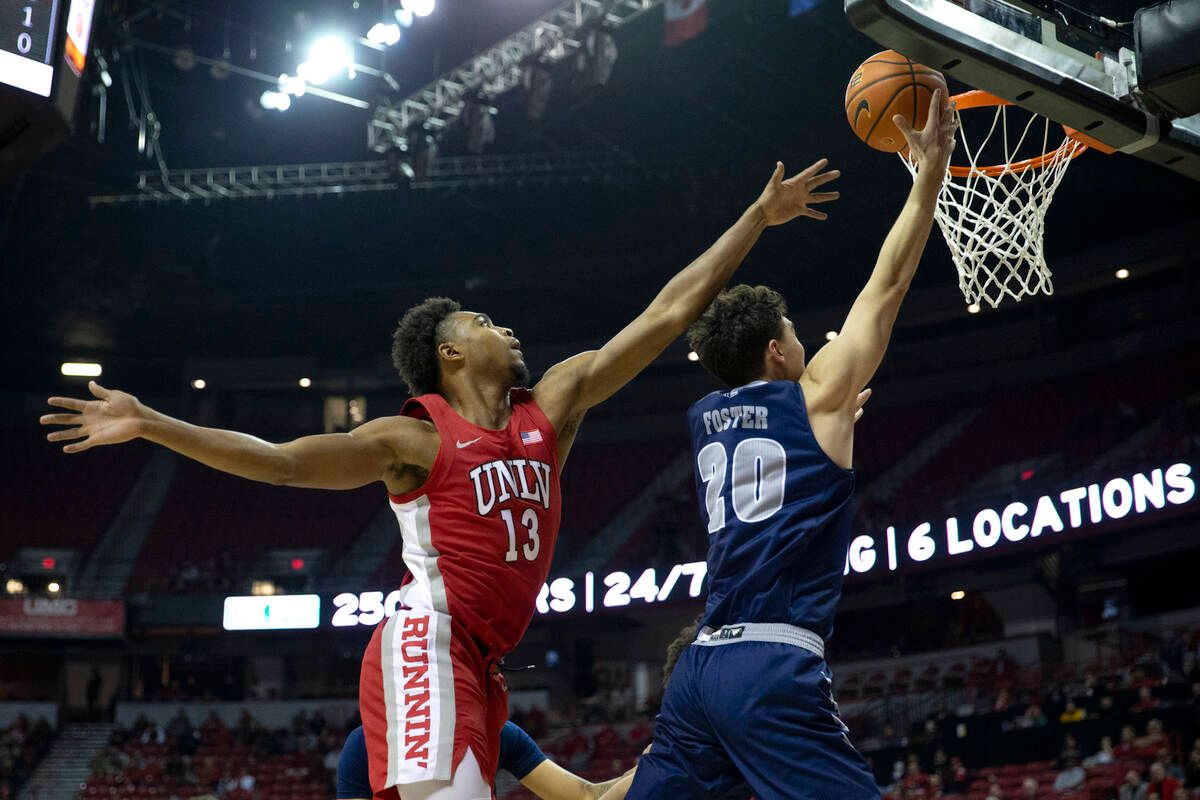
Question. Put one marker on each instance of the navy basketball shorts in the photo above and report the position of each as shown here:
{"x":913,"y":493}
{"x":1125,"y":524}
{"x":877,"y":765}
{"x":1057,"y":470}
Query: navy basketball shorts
{"x":751,"y":717}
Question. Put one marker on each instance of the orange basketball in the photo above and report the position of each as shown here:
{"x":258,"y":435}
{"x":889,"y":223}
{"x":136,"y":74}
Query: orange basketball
{"x":884,"y":85}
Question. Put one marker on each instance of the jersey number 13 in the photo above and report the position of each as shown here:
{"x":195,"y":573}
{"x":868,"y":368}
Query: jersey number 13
{"x":759,"y":470}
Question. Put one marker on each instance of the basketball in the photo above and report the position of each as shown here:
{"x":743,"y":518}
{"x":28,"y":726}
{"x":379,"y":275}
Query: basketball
{"x":884,"y":85}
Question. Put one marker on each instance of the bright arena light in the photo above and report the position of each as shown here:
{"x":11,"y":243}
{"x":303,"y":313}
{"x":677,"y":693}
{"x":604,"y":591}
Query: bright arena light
{"x":384,"y":33}
{"x":81,"y":369}
{"x":1122,"y":274}
{"x":53,"y":587}
{"x":275,"y":101}
{"x":14,"y":586}
{"x":693,"y":355}
{"x":293,"y":85}
{"x":973,"y":308}
{"x":305,"y":383}
{"x":422,"y":8}
{"x":327,"y":57}
{"x":404,"y":17}
{"x":830,"y":335}
{"x":199,"y":383}
{"x":957,"y":594}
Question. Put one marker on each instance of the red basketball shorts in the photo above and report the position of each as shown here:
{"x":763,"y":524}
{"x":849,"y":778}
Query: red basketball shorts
{"x":425,"y":695}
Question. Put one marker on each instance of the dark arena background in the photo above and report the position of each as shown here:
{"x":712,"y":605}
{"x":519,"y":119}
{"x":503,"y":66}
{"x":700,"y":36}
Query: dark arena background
{"x":225,"y":215}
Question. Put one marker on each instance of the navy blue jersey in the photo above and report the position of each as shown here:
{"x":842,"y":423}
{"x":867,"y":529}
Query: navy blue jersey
{"x":519,"y":754}
{"x":778,"y":510}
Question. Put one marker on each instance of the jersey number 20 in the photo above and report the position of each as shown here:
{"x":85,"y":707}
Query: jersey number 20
{"x":759,"y":470}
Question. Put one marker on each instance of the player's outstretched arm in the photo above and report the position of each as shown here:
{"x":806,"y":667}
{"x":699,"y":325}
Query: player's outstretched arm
{"x":328,"y":461}
{"x":844,"y":366}
{"x":575,"y":385}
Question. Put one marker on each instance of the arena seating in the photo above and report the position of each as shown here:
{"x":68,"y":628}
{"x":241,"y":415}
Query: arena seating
{"x":77,"y":495}
{"x":209,"y":515}
{"x":23,"y":743}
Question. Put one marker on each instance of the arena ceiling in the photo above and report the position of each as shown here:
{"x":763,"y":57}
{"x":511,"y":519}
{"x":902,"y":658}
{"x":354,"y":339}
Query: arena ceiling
{"x":566,"y":262}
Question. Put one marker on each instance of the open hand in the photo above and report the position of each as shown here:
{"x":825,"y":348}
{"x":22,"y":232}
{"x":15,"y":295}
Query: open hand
{"x":112,"y":418}
{"x":784,"y":200}
{"x":931,"y":146}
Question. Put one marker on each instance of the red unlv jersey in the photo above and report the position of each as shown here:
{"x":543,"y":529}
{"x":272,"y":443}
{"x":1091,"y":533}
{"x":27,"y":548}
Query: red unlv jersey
{"x":479,"y":534}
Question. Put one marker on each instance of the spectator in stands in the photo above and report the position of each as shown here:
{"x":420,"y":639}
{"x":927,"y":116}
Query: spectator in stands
{"x":1154,"y":737}
{"x":994,"y":792}
{"x":935,"y":787}
{"x":957,"y":781}
{"x":1128,"y":746}
{"x":1033,"y":717}
{"x":1071,"y":777}
{"x":1160,"y":782}
{"x":1105,"y":755}
{"x":1146,"y":701}
{"x":1029,"y":789}
{"x":1193,"y":763}
{"x":916,"y":782}
{"x":1173,"y":770}
{"x":1072,"y":713}
{"x":1070,"y":751}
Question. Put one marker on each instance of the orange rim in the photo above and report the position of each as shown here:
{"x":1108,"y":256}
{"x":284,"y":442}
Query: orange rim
{"x":978,"y":98}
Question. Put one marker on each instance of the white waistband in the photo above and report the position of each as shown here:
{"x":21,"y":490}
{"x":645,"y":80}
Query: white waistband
{"x":763,"y":632}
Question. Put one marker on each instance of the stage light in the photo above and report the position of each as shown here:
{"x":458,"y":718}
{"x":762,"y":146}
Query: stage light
{"x":1122,"y":274}
{"x":262,"y":588}
{"x":693,"y":355}
{"x":297,"y":564}
{"x":422,"y":8}
{"x":293,"y":85}
{"x":404,"y":17}
{"x":276,"y":101}
{"x":53,"y":587}
{"x":830,"y":335}
{"x":49,"y":562}
{"x":14,"y":586}
{"x":384,"y":33}
{"x":973,"y":308}
{"x":81,"y":369}
{"x":957,"y":594}
{"x":305,"y":383}
{"x":199,"y":383}
{"x":327,"y":57}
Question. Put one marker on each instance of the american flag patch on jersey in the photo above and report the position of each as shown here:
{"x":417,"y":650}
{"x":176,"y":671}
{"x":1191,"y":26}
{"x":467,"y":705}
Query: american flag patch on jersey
{"x":531,"y":437}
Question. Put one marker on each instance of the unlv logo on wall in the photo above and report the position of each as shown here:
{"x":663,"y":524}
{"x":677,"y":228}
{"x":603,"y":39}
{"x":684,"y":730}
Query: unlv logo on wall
{"x":54,"y":617}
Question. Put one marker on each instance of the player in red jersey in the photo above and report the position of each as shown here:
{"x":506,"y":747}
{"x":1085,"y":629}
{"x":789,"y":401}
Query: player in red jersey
{"x":471,"y":464}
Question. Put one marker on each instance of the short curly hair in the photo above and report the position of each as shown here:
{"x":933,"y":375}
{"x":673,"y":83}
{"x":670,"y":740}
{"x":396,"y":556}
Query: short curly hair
{"x":733,"y":331}
{"x":415,"y":342}
{"x":675,"y":649}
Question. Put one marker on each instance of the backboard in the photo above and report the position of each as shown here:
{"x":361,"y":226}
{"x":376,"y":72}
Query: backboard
{"x":1074,"y":68}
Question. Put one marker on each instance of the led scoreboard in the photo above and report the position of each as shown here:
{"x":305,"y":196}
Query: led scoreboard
{"x":43,"y":55}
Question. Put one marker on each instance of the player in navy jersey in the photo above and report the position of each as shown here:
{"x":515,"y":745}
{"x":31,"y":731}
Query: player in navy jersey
{"x":750,"y":701}
{"x":519,"y":756}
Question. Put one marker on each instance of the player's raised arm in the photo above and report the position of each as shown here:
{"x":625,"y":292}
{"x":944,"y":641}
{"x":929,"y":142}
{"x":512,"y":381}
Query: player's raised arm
{"x":328,"y":461}
{"x":844,"y":366}
{"x":575,"y":385}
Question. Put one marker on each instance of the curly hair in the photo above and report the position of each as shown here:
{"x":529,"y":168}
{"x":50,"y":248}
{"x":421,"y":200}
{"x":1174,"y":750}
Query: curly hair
{"x":675,"y":649}
{"x":415,"y":342}
{"x":731,"y":334}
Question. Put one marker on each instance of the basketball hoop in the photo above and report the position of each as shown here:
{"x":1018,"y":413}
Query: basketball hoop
{"x":994,"y":217}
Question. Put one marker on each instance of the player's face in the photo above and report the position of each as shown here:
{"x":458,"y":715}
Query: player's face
{"x":493,"y":347}
{"x":792,"y":351}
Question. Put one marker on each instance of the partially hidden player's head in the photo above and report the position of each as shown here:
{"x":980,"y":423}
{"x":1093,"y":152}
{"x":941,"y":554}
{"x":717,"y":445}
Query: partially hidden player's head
{"x":675,"y":649}
{"x":437,"y":344}
{"x":745,"y":335}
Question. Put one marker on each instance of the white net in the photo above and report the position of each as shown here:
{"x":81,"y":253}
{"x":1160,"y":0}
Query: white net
{"x":994,"y":217}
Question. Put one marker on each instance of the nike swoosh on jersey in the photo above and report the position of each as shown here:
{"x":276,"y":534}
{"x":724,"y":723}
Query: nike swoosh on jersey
{"x":461,"y":445}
